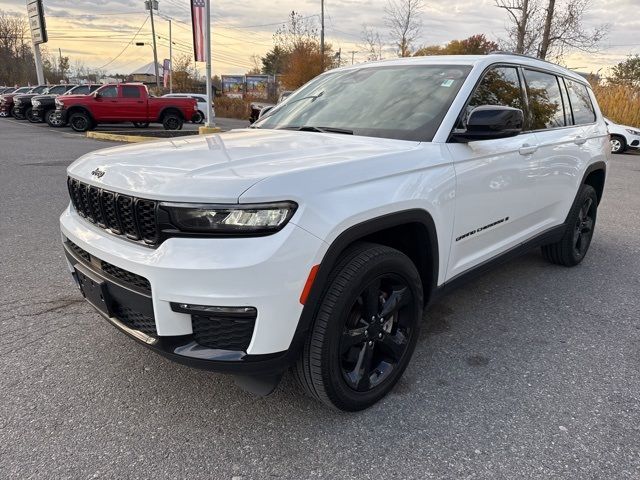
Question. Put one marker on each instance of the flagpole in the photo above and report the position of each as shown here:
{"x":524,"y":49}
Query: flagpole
{"x":207,"y":42}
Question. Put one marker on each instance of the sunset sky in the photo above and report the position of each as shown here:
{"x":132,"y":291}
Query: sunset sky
{"x":97,"y":33}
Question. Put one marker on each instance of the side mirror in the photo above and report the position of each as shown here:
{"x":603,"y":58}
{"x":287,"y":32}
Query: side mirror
{"x":264,"y":111}
{"x":97,"y":96}
{"x":488,"y":122}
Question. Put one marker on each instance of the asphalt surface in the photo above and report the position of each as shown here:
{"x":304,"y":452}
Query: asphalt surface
{"x":529,"y":372}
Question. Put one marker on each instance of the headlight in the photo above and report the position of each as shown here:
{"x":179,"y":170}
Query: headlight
{"x":261,"y":218}
{"x":35,"y":103}
{"x":632,"y":132}
{"x":59,"y":103}
{"x":17,"y":101}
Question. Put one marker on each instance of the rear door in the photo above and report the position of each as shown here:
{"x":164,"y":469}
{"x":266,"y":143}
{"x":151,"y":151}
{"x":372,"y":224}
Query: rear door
{"x":496,"y":181}
{"x":131,"y":103}
{"x":563,"y":144}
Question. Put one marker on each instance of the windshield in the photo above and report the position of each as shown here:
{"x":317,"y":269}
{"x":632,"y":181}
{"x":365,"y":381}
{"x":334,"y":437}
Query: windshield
{"x":23,"y":90}
{"x":57,"y":90}
{"x":404,"y":102}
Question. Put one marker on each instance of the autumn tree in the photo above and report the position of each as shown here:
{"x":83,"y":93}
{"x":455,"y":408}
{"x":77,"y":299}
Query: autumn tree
{"x":274,"y":61}
{"x":402,"y":18}
{"x":298,"y":42}
{"x":548,"y":28}
{"x":183,"y":73}
{"x":474,"y":45}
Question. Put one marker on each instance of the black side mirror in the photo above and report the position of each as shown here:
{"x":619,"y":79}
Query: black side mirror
{"x":488,"y":122}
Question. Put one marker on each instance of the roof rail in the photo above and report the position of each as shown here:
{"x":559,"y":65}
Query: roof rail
{"x":505,"y":52}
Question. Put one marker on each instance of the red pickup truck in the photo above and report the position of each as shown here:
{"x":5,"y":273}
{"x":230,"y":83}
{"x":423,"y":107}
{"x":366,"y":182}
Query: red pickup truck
{"x":124,"y":102}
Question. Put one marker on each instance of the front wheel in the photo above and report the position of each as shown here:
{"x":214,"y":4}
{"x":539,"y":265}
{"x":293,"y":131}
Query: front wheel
{"x":53,"y":119}
{"x":365,"y":330}
{"x":171,"y":121}
{"x":618,"y":144}
{"x":16,"y":115}
{"x":571,"y":249}
{"x":80,"y":122}
{"x":31,"y":117}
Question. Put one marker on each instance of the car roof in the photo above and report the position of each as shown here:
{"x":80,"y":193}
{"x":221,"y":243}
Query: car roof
{"x":479,"y":61}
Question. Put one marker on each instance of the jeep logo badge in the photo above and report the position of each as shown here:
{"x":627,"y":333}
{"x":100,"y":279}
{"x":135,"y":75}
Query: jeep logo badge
{"x":98,"y":173}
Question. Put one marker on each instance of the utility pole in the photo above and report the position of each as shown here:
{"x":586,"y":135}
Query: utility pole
{"x":170,"y":59}
{"x":322,"y":33}
{"x":151,"y":5}
{"x":207,"y":43}
{"x":60,"y":63}
{"x":37,"y":56}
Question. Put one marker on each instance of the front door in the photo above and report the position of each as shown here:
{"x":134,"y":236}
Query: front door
{"x":496,"y":195}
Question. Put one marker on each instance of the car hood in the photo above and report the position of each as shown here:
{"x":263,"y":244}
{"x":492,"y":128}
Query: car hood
{"x":219,"y":168}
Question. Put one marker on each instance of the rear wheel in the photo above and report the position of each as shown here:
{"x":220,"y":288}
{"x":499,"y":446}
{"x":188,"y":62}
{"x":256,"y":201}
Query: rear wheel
{"x":198,"y":117}
{"x":573,"y":246}
{"x":618,"y":144}
{"x":172,"y":121}
{"x":53,"y":119}
{"x":141,"y":124}
{"x":365,"y":330}
{"x":80,"y":122}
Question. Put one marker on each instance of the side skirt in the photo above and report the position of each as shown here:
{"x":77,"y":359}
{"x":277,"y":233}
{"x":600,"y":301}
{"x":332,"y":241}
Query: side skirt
{"x":550,"y":236}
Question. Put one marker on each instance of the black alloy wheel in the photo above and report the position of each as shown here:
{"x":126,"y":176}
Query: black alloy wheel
{"x":377,"y":333}
{"x":583,"y":231}
{"x":364,"y":330}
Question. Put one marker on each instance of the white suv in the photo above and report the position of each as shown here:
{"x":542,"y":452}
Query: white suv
{"x":316,"y":239}
{"x":623,"y":137}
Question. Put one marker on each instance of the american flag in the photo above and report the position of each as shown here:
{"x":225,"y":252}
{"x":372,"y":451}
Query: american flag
{"x":199,"y":24}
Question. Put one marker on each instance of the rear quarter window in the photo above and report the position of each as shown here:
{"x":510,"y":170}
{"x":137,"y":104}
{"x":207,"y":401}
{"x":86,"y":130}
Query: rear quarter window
{"x":583,"y":110}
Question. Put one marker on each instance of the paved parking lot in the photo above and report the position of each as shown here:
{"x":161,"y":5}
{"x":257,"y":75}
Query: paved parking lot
{"x":529,"y":372}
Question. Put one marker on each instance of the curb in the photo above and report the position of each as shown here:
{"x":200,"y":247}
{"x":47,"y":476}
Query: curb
{"x":115,"y":137}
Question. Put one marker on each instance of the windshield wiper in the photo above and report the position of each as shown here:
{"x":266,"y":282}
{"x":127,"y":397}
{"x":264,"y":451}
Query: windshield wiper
{"x":311,"y":128}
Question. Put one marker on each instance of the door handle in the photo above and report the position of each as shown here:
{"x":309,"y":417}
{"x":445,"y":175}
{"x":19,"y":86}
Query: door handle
{"x":579,"y":140}
{"x":527,"y":149}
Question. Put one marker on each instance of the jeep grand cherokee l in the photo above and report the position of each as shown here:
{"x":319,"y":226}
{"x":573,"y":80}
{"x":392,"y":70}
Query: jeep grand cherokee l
{"x":316,"y":239}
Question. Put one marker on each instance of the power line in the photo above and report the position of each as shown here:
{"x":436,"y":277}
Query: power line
{"x":126,"y":46}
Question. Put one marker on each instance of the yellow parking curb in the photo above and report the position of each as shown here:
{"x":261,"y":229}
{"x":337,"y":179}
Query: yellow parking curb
{"x":115,"y":137}
{"x":207,"y":130}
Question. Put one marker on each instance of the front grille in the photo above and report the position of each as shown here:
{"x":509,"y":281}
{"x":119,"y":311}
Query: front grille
{"x":135,"y":320}
{"x":224,"y":333}
{"x":125,"y":277}
{"x":135,"y":218}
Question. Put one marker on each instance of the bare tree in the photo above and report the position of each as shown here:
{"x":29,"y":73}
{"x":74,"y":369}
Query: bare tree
{"x":372,"y":43}
{"x":547,"y":28}
{"x":522,"y":14}
{"x":402,"y":17}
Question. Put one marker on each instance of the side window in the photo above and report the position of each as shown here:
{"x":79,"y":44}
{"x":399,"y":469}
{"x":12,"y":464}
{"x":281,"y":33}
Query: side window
{"x":109,"y":92}
{"x":583,"y":111}
{"x":500,"y":86}
{"x":81,"y":90}
{"x":545,"y":100}
{"x":200,"y":99}
{"x":565,"y":101}
{"x":129,"y":91}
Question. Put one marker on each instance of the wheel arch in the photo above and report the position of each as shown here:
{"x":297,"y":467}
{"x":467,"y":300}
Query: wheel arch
{"x":595,"y":176}
{"x":405,"y":231}
{"x":79,"y":109}
{"x":168,"y":110}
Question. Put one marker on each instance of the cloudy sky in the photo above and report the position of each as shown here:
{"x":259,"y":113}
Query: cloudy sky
{"x":100,"y":33}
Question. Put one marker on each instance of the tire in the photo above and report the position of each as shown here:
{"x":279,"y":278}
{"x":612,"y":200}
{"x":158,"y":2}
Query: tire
{"x":171,"y":121}
{"x":15,"y":114}
{"x":31,"y":117}
{"x":198,"y":117}
{"x":340,"y":342}
{"x":141,"y":124}
{"x":52,"y":119}
{"x":80,"y":122}
{"x":572,"y":248}
{"x":618,"y":144}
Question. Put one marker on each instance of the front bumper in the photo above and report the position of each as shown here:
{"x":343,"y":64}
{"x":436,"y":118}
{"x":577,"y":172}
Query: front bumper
{"x":5,"y":109}
{"x":266,"y":273}
{"x":19,"y":109}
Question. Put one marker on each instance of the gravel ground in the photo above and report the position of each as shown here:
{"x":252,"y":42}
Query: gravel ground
{"x":529,"y":372}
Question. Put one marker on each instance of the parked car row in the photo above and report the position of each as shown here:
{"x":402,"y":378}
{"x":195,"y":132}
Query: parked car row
{"x":83,"y":107}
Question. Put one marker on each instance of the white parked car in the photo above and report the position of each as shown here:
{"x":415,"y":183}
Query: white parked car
{"x":316,"y":239}
{"x":201,"y":98}
{"x":623,"y":137}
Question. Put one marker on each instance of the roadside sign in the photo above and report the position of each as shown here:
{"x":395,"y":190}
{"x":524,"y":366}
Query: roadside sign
{"x":35,"y":12}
